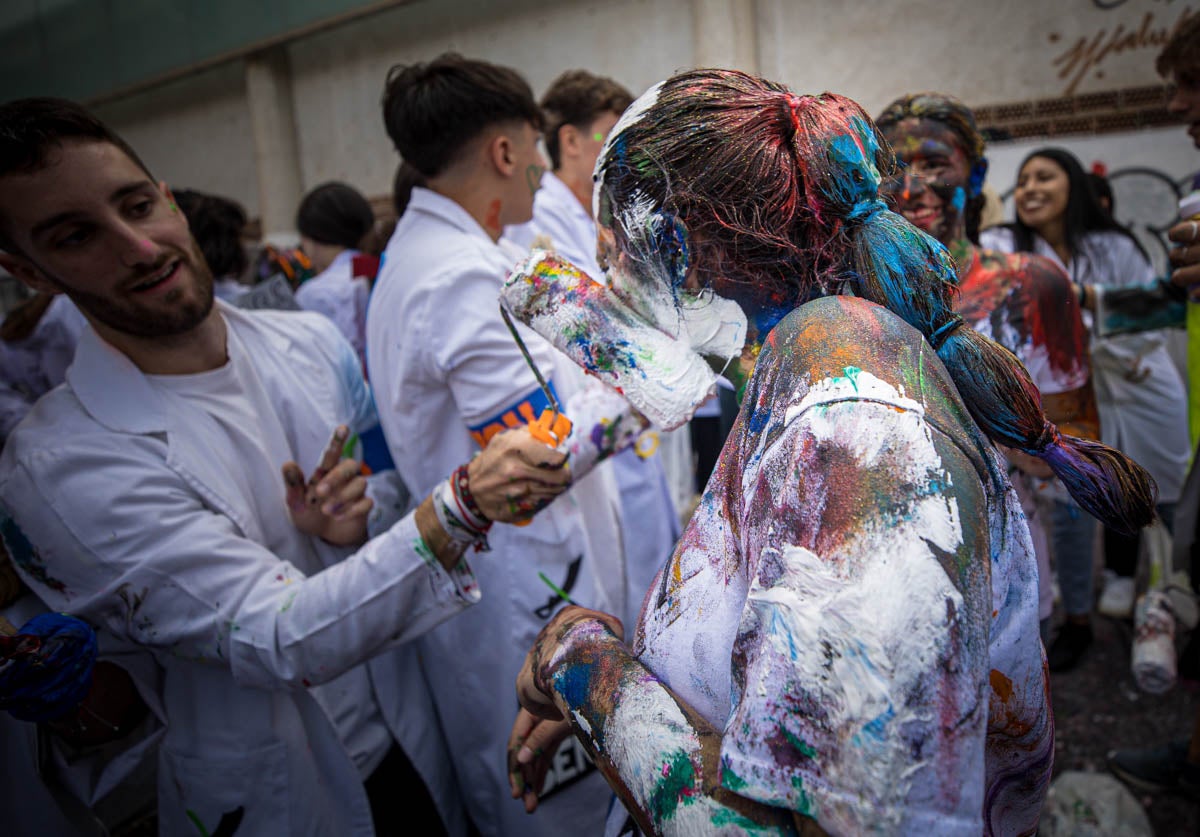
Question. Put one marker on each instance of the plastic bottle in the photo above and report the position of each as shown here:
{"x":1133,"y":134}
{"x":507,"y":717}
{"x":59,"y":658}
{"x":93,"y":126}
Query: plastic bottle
{"x":1189,"y":210}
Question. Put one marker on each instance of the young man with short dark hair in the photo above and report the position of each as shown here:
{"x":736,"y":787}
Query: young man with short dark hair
{"x":145,"y":496}
{"x":447,"y":375}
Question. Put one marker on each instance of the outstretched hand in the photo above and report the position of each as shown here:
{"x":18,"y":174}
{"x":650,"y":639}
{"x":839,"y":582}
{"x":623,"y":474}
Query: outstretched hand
{"x":516,"y":476}
{"x":332,"y":504}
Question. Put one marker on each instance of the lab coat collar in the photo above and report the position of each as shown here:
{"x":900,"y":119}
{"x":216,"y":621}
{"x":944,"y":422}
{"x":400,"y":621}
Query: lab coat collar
{"x":447,"y":210}
{"x":118,"y":395}
{"x":561,"y":195}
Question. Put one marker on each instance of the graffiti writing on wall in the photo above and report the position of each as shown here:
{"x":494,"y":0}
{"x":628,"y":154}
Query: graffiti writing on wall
{"x":1087,"y":55}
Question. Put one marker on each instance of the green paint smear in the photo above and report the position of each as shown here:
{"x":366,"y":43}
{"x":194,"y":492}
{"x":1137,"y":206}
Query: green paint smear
{"x":732,"y":781}
{"x":422,"y":549}
{"x":800,"y":744}
{"x":803,"y":803}
{"x":852,"y":376}
{"x":727,"y":816}
{"x":677,"y":787}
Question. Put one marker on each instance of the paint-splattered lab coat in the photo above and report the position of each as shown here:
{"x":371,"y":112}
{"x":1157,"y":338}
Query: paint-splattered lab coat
{"x":136,"y":517}
{"x":855,"y":601}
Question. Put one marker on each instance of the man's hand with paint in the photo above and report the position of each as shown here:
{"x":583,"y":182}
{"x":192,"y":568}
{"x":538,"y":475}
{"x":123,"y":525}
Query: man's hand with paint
{"x":540,"y":725}
{"x":332,"y":504}
{"x":517,"y":475}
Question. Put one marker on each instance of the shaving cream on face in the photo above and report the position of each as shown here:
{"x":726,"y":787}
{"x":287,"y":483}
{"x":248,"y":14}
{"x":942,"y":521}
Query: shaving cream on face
{"x":660,"y":374}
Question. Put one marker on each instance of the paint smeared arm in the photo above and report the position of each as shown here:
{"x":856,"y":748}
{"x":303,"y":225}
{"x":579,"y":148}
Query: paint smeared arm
{"x":1131,"y":309}
{"x":659,"y":755}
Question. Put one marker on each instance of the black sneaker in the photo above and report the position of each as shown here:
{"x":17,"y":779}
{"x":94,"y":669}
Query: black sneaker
{"x":1157,"y":769}
{"x":1067,"y":649}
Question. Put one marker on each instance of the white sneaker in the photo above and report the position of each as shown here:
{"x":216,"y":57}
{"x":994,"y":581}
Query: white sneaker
{"x":1117,"y":599}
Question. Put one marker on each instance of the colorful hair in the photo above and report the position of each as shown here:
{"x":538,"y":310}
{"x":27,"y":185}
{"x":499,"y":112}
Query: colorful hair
{"x":948,"y":111}
{"x":772,"y":198}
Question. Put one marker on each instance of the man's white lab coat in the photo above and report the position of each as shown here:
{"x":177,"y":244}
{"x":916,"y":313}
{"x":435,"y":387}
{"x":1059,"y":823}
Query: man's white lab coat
{"x":136,"y":520}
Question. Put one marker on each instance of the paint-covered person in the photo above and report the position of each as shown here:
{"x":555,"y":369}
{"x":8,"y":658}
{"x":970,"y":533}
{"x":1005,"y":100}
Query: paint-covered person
{"x":447,"y":375}
{"x":334,"y":220}
{"x":1022,"y":301}
{"x":847,"y":635}
{"x":579,"y":110}
{"x":145,"y":496}
{"x":1141,"y":397}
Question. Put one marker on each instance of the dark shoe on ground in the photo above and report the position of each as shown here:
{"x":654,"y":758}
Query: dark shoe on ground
{"x":1067,"y":649}
{"x":1157,"y":769}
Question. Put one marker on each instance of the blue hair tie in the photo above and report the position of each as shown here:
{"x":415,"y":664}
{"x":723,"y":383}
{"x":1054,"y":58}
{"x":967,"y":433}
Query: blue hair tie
{"x":865,"y":211}
{"x":942,"y":334}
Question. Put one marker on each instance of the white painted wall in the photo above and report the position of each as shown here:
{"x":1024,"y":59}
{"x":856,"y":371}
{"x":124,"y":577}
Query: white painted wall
{"x":196,"y":132}
{"x":338,"y":76}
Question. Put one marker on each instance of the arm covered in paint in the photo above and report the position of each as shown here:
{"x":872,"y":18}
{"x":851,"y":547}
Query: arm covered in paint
{"x":1136,"y":308}
{"x":659,"y":756}
{"x":154,"y":564}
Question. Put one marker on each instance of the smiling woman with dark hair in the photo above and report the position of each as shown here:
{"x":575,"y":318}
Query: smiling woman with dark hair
{"x":1141,"y":398}
{"x":846,"y":637}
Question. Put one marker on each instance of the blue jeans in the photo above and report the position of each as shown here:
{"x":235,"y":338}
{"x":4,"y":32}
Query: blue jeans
{"x":1072,"y":542}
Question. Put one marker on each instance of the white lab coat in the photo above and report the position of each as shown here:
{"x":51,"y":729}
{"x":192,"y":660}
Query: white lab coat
{"x":140,"y":522}
{"x":1140,"y":395}
{"x":443,"y":361}
{"x":337,"y":294}
{"x":649,"y":519}
{"x":31,"y":367}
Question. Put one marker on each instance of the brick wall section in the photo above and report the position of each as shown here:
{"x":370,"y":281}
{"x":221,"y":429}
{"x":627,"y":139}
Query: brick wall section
{"x":1087,"y":113}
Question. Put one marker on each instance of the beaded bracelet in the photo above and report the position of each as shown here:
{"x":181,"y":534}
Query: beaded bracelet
{"x":466,"y":501}
{"x":462,"y":527}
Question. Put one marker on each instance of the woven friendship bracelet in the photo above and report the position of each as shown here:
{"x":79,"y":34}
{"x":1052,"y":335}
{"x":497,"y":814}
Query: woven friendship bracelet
{"x":466,"y":501}
{"x":462,"y":531}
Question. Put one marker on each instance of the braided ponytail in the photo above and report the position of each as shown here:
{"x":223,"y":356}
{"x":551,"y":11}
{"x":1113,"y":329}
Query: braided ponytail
{"x":895,"y":265}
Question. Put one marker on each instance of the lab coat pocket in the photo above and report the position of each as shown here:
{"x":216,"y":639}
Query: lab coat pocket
{"x":243,"y":794}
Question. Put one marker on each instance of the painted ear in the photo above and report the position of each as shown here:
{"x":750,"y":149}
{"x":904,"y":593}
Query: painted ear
{"x":978,"y":176}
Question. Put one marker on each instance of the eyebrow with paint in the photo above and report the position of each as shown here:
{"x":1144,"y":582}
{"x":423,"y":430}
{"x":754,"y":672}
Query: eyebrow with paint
{"x":43,"y":227}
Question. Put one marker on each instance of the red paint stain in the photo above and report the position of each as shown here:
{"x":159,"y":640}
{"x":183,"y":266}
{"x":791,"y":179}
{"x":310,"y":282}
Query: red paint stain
{"x":492,"y":221}
{"x":1001,"y":686}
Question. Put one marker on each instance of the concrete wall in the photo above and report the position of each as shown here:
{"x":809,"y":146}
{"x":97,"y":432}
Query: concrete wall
{"x":194,"y":132}
{"x":197,"y":131}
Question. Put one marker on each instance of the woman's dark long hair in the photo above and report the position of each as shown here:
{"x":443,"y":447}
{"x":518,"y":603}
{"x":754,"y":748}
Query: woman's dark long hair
{"x":1084,"y":214}
{"x":740,"y":182}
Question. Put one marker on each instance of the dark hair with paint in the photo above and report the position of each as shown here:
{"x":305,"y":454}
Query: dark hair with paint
{"x":31,"y":129}
{"x":765,"y":195}
{"x":432,"y":111}
{"x":948,"y":111}
{"x":1084,"y":213}
{"x":577,"y":98}
{"x":1181,"y":56}
{"x":216,"y":224}
{"x":337,"y":214}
